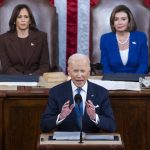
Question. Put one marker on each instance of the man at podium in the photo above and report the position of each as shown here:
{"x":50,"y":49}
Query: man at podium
{"x":78,"y":104}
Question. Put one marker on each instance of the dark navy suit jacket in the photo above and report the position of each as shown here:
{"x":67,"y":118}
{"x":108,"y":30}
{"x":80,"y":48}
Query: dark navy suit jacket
{"x":138,"y":54}
{"x":63,"y":92}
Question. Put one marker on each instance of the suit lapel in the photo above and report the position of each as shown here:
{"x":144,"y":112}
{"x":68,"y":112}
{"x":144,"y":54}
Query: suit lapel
{"x":115,"y":52}
{"x":31,"y":46}
{"x":68,"y":92}
{"x":90,"y":92}
{"x":15,"y":46}
{"x":132,"y":47}
{"x":69,"y":96}
{"x":90,"y":96}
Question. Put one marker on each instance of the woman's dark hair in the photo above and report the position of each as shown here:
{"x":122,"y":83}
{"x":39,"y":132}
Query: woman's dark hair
{"x":15,"y":13}
{"x":123,"y":8}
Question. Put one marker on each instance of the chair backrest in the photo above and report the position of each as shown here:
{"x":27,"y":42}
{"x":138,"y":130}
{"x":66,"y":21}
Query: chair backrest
{"x":100,"y":22}
{"x":45,"y":17}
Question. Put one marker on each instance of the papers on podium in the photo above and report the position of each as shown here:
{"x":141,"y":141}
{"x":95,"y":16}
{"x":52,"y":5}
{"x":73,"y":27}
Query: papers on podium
{"x":76,"y":136}
{"x":18,"y":83}
{"x":68,"y":135}
{"x":99,"y":137}
{"x":117,"y":85}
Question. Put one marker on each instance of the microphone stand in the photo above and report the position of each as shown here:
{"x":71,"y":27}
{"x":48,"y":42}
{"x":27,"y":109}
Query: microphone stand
{"x":81,"y":140}
{"x":78,"y":100}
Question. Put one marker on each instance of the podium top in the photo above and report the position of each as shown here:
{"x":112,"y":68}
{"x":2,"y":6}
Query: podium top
{"x":46,"y":142}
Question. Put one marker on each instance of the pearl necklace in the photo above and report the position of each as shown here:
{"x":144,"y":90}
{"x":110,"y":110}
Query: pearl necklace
{"x":122,"y":43}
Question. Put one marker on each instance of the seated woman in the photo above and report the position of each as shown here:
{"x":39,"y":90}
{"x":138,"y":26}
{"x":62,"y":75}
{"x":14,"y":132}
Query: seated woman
{"x":24,"y":49}
{"x":124,"y":50}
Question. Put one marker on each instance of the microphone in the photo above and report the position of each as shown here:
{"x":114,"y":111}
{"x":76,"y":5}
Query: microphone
{"x":78,"y":100}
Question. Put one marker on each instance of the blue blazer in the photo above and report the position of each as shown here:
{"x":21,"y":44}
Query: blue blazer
{"x":138,"y":54}
{"x":60,"y":94}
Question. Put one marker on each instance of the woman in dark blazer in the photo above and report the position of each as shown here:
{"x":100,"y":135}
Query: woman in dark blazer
{"x":24,"y":49}
{"x":124,"y":50}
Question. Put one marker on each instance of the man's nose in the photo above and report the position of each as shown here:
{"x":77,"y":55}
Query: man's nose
{"x":79,"y":74}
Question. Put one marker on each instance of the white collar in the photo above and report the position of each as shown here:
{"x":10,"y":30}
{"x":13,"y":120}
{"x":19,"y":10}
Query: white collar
{"x":84,"y":88}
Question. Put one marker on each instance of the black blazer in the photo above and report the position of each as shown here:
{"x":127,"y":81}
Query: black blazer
{"x":36,"y":54}
{"x":60,"y":94}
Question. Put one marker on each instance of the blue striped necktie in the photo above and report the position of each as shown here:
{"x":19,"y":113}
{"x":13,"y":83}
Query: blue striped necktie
{"x":79,"y":109}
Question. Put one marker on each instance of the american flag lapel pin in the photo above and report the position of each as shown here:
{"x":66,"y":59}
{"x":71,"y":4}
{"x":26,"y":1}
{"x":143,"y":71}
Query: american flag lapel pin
{"x":133,"y":42}
{"x":32,"y":44}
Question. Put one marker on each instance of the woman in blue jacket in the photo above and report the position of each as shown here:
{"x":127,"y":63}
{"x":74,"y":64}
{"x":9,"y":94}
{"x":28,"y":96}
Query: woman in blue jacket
{"x":124,"y":50}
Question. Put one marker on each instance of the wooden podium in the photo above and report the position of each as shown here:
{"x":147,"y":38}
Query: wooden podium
{"x":45,"y":144}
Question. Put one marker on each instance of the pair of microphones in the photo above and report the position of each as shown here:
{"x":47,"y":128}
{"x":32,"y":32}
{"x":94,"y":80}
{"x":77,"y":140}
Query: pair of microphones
{"x":78,"y":100}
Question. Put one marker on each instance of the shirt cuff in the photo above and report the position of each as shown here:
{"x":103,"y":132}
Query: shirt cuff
{"x":58,"y":121}
{"x":97,"y":119}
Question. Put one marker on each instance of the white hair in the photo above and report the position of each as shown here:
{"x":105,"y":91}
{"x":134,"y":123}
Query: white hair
{"x":78,"y":57}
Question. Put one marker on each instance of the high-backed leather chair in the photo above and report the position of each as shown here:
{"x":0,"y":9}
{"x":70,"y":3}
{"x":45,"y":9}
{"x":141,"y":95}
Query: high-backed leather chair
{"x":100,"y":22}
{"x":45,"y":17}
